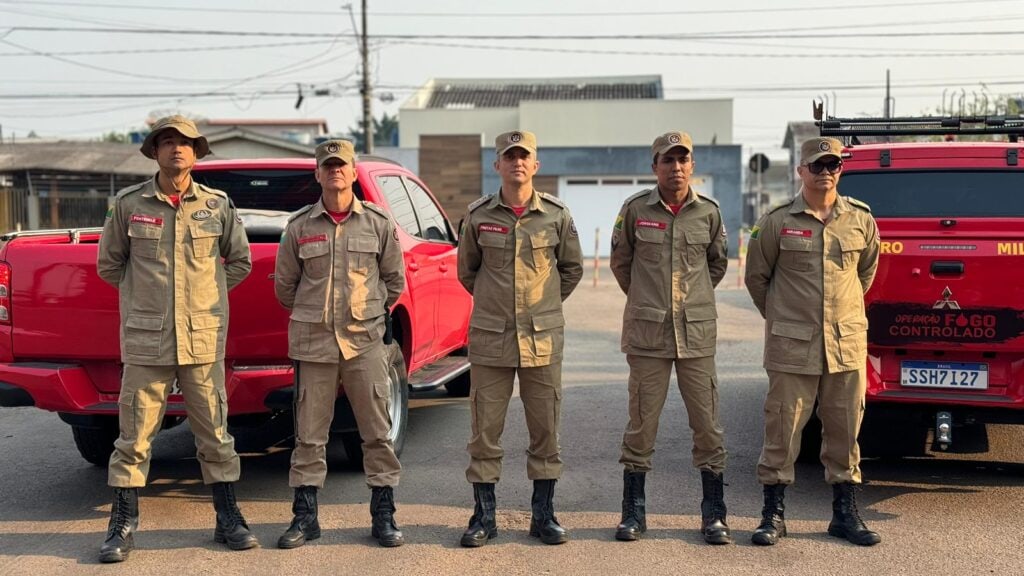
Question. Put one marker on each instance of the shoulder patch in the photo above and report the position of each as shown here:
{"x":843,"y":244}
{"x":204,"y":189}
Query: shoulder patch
{"x":133,"y":188}
{"x":712,"y":200}
{"x":552,"y":199}
{"x":479,"y":202}
{"x":213,"y":191}
{"x":862,"y":205}
{"x":301,"y":211}
{"x":375,"y":208}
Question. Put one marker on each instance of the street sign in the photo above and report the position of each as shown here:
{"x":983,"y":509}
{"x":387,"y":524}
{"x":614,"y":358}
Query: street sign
{"x":758,"y":163}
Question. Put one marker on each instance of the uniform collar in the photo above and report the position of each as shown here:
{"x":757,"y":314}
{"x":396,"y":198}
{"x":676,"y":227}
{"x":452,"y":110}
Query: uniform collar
{"x":319,"y":208}
{"x":153,"y":189}
{"x":800,"y":205}
{"x":534,"y":203}
{"x":655,"y":197}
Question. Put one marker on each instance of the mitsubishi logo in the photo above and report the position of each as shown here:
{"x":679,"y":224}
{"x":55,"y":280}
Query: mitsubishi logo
{"x":946,"y":303}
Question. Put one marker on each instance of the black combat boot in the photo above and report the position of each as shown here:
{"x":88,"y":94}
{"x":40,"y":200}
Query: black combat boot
{"x":382,"y":508}
{"x":305,"y":525}
{"x":846,"y":521}
{"x":712,"y":509}
{"x":543,"y":524}
{"x":773,"y":516}
{"x":482,"y":525}
{"x":124,"y":521}
{"x":634,"y":507}
{"x":231,"y":527}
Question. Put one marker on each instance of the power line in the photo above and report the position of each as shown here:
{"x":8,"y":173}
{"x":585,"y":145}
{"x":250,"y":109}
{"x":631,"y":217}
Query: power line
{"x":168,"y":50}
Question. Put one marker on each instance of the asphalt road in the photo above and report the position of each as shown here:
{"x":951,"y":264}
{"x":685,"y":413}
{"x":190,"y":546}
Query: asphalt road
{"x":942,"y":514}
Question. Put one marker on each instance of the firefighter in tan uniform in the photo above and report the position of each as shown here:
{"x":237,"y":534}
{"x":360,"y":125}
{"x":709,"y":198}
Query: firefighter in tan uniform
{"x":809,"y":263}
{"x":339,"y":270}
{"x":162,"y":247}
{"x":668,"y":254}
{"x":520,"y":258}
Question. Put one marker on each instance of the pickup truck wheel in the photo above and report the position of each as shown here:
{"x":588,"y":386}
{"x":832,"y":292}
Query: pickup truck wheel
{"x":96,"y":443}
{"x":399,"y":410}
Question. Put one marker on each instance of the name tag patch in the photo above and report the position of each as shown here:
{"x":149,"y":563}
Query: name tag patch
{"x":154,"y":220}
{"x":651,"y":224}
{"x":311,"y":239}
{"x":496,"y":228}
{"x":796,"y":232}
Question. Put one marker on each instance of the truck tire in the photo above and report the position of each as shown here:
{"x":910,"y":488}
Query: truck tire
{"x":96,"y":443}
{"x":458,"y":387}
{"x":398,"y":381}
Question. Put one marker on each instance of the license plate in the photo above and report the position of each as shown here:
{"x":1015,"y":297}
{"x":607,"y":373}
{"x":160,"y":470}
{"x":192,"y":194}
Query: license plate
{"x":956,"y":375}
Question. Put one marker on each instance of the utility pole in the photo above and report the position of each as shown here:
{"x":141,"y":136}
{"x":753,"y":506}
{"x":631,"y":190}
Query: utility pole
{"x":367,"y":94}
{"x":888,"y":96}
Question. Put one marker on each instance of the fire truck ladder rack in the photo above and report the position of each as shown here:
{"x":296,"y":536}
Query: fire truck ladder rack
{"x":919,"y":126}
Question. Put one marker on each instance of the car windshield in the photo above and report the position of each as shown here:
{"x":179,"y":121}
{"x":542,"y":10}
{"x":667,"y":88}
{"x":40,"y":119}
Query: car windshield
{"x":284,"y":190}
{"x":938,"y":193}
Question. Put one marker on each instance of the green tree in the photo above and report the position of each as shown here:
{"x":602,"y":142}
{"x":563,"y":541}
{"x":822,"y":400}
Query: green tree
{"x":117,"y":137}
{"x":385,"y":132}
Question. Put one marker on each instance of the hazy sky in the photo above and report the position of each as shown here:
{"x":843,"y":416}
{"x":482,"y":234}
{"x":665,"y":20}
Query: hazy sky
{"x":801,"y":50}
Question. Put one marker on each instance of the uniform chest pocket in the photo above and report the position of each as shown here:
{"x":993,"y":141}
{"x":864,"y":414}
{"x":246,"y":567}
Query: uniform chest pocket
{"x":543,"y":245}
{"x":493,"y":246}
{"x":145,"y":239}
{"x":697,"y":242}
{"x":363,"y":252}
{"x":795,"y":253}
{"x":316,"y":258}
{"x":205,"y":237}
{"x":650,"y":243}
{"x":851,"y":248}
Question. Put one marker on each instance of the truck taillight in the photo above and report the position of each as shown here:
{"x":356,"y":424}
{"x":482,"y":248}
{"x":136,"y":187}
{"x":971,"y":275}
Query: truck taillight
{"x":5,"y":293}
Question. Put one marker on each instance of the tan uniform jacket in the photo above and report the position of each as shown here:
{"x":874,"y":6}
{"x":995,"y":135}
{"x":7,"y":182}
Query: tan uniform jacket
{"x":808,"y":279}
{"x":338,"y":279}
{"x":166,"y":264}
{"x":519,"y":270}
{"x":668,"y":266}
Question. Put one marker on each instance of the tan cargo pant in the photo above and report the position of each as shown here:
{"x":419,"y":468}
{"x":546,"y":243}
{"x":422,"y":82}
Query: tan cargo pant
{"x":648,"y":389}
{"x":786,"y":411}
{"x":365,"y":381}
{"x":142,"y":404}
{"x":540,"y":389}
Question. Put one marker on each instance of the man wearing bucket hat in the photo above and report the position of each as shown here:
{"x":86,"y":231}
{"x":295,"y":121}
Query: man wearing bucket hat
{"x":809,"y":263}
{"x":173,"y":248}
{"x":339,"y":270}
{"x":520,"y":258}
{"x":668,"y":254}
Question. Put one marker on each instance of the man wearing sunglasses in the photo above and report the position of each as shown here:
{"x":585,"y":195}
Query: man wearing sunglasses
{"x":809,"y":263}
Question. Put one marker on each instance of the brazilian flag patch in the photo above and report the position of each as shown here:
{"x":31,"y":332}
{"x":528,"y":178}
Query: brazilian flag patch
{"x":754,"y":232}
{"x":618,"y":222}
{"x":110,"y":212}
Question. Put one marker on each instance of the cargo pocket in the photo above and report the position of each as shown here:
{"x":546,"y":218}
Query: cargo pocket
{"x":701,"y":327}
{"x":789,"y":343}
{"x":852,"y":246}
{"x":221,"y":420}
{"x":547,"y":333}
{"x":649,"y":244}
{"x":145,"y":240}
{"x":795,"y":253}
{"x":142,"y":335}
{"x":126,"y":414}
{"x":774,"y":439}
{"x":362,"y":253}
{"x":496,"y":256}
{"x":206,"y":238}
{"x":316,"y":258}
{"x":697,"y":242}
{"x":382,"y":392}
{"x":543,"y":245}
{"x":853,"y":340}
{"x":646,"y":328}
{"x":486,"y":335}
{"x":205,"y":332}
{"x":368,"y":309}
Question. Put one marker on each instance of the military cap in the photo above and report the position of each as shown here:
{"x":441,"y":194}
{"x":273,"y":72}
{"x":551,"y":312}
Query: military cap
{"x":181,"y":125}
{"x":816,"y":148}
{"x":670,"y":140}
{"x":343,"y":150}
{"x":516,"y":139}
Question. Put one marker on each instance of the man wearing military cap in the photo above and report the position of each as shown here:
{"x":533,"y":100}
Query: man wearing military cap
{"x":668,"y":254}
{"x":173,"y":248}
{"x":809,"y":263}
{"x":339,"y":270}
{"x":520,"y":258}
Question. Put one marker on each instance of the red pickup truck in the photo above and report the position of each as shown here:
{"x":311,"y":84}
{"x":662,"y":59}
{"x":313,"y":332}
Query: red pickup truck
{"x":946,"y":310}
{"x":59,"y":348}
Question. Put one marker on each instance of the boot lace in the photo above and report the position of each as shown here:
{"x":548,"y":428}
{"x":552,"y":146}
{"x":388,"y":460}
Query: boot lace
{"x":120,"y":516}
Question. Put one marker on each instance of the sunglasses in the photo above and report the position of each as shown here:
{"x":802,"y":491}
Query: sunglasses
{"x":819,"y":167}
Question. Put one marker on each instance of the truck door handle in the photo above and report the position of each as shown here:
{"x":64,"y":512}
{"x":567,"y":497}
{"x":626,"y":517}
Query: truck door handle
{"x":947,"y":268}
{"x":414,"y":266}
{"x":443,"y":266}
